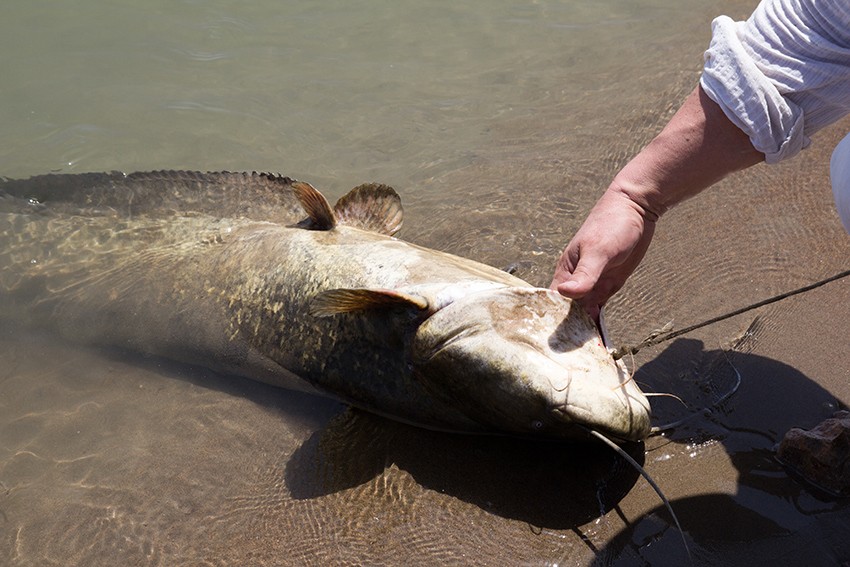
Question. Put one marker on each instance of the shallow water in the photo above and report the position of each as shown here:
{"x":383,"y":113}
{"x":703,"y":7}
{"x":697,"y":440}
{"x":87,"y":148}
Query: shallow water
{"x":498,"y":123}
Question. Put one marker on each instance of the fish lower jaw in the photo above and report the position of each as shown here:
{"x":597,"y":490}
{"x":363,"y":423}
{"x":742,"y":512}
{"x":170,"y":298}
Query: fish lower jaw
{"x":590,"y":420}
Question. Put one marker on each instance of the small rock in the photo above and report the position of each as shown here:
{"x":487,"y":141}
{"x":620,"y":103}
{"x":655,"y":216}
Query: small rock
{"x":822,"y":454}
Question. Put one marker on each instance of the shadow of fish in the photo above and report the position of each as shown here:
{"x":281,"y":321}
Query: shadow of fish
{"x":223,"y":270}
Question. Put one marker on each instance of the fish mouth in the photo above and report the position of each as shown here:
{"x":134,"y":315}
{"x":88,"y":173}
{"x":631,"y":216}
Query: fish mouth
{"x":633,"y":426}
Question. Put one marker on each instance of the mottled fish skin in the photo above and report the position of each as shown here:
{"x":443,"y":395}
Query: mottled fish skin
{"x":218,"y":269}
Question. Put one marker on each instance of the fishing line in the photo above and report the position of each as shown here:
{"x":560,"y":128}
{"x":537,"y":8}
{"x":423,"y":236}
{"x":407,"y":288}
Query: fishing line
{"x":659,"y":429}
{"x":637,"y":466}
{"x":655,"y":339}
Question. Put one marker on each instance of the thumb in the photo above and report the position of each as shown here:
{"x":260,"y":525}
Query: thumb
{"x":582,"y":279}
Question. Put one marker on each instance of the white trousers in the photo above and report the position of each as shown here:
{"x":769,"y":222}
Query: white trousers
{"x":839,"y":173}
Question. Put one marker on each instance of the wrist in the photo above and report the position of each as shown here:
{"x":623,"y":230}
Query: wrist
{"x":644,"y":200}
{"x":697,"y":148}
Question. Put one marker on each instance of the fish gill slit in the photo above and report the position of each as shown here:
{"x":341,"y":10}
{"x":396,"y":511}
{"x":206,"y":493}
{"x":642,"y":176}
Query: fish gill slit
{"x":642,"y":471}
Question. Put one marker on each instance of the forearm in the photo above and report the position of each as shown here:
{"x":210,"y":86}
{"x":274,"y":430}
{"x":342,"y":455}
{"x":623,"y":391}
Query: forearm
{"x":780,"y":76}
{"x":697,"y":148}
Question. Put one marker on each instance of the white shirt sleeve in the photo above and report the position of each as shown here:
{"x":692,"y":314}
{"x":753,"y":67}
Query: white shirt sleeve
{"x":839,"y":172}
{"x":783,"y":74}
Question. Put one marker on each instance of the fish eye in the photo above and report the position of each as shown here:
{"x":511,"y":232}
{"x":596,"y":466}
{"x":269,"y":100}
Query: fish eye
{"x":537,"y":425}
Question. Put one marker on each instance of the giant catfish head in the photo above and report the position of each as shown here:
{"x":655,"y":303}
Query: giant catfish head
{"x":528,"y":360}
{"x":518,"y":360}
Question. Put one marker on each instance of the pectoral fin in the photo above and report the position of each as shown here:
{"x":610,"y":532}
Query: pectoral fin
{"x":336,"y":301}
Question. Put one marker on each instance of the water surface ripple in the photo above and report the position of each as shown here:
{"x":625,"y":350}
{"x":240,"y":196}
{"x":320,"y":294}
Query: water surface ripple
{"x":499,"y":123}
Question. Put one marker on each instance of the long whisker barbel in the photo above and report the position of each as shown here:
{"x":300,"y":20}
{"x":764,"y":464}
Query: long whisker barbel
{"x":629,"y":459}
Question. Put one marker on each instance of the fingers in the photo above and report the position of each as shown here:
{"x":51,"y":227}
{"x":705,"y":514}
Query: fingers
{"x":582,"y":282}
{"x":603,"y":253}
{"x":597,"y":263}
{"x":593,"y":310}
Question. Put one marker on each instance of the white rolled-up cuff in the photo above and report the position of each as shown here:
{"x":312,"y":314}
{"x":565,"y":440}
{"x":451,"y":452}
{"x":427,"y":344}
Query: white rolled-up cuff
{"x":733,"y":79}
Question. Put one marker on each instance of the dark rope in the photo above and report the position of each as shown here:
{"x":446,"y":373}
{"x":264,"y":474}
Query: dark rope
{"x":660,"y":338}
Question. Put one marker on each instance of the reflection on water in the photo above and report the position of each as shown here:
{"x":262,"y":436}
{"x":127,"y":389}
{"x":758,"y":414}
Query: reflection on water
{"x":499,"y":123}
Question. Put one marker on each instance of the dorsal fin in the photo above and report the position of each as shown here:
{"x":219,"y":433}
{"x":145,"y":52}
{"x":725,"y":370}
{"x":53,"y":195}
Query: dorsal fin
{"x":371,"y":206}
{"x":321,"y":216}
{"x":336,"y":301}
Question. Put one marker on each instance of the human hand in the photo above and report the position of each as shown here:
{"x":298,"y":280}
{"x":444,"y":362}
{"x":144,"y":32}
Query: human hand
{"x":698,"y":147}
{"x":605,"y":251}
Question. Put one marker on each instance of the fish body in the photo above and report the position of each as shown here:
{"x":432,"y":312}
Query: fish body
{"x":224,"y":270}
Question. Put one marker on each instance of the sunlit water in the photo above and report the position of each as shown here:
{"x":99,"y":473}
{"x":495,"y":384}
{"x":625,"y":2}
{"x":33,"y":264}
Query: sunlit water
{"x":333,"y":91}
{"x":499,"y":123}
